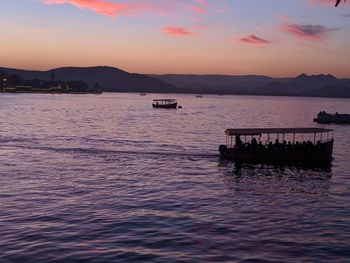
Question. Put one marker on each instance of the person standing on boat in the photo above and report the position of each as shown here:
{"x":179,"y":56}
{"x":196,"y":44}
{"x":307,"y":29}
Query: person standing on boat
{"x":239,"y":143}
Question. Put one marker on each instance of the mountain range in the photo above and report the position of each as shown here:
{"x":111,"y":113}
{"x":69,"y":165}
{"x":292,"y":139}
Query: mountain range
{"x":109,"y":79}
{"x":116,"y":80}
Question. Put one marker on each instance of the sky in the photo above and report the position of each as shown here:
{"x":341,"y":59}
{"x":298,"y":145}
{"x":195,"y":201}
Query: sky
{"x":280,"y":38}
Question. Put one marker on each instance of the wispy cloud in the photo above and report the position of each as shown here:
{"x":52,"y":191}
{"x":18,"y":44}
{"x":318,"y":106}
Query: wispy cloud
{"x":322,"y":2}
{"x":307,"y":31}
{"x":132,"y":7}
{"x":177,"y":31}
{"x":101,"y":7}
{"x":254,"y":40}
{"x":200,"y":7}
{"x":316,"y":47}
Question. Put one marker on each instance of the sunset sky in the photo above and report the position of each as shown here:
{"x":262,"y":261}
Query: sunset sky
{"x":270,"y":37}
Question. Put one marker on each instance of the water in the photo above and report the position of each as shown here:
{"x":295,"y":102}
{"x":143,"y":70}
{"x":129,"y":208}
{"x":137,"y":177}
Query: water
{"x":109,"y":179}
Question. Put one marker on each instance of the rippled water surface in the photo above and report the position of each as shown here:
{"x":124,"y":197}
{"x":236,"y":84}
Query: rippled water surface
{"x":109,"y":179}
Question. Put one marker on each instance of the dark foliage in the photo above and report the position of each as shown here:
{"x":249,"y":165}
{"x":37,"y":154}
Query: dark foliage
{"x":14,"y":80}
{"x":78,"y":86}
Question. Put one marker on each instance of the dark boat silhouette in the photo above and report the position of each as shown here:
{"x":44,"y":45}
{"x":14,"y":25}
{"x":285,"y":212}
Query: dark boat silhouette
{"x":298,"y":150}
{"x":324,"y":117}
{"x":165,"y":103}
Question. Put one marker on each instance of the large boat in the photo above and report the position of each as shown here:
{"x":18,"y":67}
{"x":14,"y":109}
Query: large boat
{"x":298,"y":145}
{"x":165,"y":103}
{"x":324,"y":117}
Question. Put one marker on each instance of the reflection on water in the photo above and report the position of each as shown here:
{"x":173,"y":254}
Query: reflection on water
{"x":108,"y":178}
{"x":276,"y":178}
{"x":250,"y":169}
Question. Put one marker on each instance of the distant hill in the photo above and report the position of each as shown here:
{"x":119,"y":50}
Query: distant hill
{"x":226,"y":84}
{"x":336,"y":91}
{"x":116,"y":80}
{"x":302,"y":85}
{"x":108,"y":78}
{"x":305,"y":85}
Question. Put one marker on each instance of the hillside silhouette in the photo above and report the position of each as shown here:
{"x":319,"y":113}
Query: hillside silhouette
{"x":111,"y":79}
{"x":302,"y":85}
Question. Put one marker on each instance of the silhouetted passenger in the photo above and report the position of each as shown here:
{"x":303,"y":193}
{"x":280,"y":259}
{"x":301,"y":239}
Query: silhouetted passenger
{"x":277,"y":146}
{"x":318,"y":143}
{"x":239,"y":143}
{"x":310,"y":146}
{"x":303,"y":146}
{"x":270,"y":146}
{"x":254,"y":144}
{"x":284,"y":146}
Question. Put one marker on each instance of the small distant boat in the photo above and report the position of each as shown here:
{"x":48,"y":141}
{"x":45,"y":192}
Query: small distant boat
{"x":165,"y":103}
{"x":324,"y":117}
{"x":199,"y":96}
{"x":143,"y":94}
{"x":260,"y":148}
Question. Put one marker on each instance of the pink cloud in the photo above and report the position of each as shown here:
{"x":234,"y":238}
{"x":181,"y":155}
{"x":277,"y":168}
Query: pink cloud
{"x":200,"y":7}
{"x":101,"y":7}
{"x":131,"y":7}
{"x":254,"y":40}
{"x":177,"y":31}
{"x":307,"y":31}
{"x":322,"y":2}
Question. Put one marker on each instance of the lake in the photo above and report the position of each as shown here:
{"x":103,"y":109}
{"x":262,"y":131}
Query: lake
{"x":107,"y":178}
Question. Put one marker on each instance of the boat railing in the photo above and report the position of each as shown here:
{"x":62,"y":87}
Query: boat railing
{"x":273,"y":137}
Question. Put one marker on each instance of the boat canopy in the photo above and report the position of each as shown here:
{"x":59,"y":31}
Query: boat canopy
{"x":260,"y":131}
{"x":165,"y":100}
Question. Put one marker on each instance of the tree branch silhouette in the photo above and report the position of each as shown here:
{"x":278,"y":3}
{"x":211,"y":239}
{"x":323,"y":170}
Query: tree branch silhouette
{"x":338,"y":2}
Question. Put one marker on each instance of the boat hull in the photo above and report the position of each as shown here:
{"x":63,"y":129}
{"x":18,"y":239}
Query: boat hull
{"x":333,"y":120}
{"x":336,"y":118}
{"x":165,"y":106}
{"x":322,"y":154}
